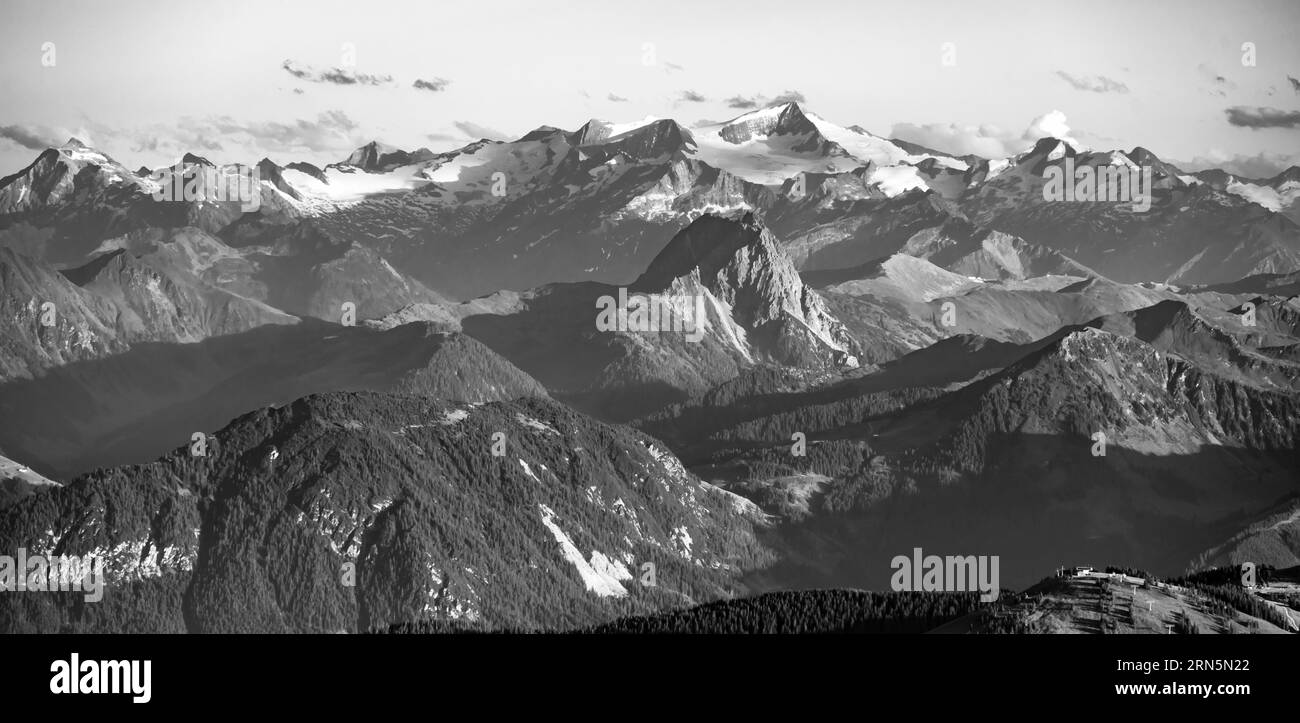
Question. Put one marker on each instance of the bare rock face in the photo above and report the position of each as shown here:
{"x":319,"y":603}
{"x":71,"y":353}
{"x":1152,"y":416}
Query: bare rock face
{"x":738,"y":261}
{"x":376,"y":157}
{"x":46,"y":320}
{"x":785,"y":120}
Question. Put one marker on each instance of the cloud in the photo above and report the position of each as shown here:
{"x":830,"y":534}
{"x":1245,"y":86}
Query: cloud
{"x":790,"y":96}
{"x":1261,"y":165}
{"x":336,"y":76}
{"x":331,"y":130}
{"x":1093,"y":84}
{"x":1213,"y":76}
{"x":617,"y":98}
{"x":755,"y":101}
{"x":1295,"y":84}
{"x":30,"y":137}
{"x":184,"y":139}
{"x":1257,"y":117}
{"x":670,"y":67}
{"x":1052,"y":123}
{"x":440,"y":137}
{"x":235,"y":139}
{"x":297,"y":91}
{"x":476,"y":131}
{"x":690,"y":96}
{"x":987,"y":140}
{"x":437,"y":85}
{"x":1219,"y":83}
{"x":295,"y":71}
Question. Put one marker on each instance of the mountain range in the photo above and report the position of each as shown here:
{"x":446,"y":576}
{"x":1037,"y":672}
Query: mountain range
{"x":397,"y":363}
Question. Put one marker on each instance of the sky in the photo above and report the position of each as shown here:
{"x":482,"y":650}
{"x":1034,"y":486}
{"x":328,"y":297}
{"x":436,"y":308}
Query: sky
{"x":292,"y":80}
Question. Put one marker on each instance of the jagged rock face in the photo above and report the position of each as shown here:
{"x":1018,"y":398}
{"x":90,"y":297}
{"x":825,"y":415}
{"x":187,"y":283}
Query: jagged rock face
{"x":1229,"y":348}
{"x":308,"y":169}
{"x":375,"y":157}
{"x":686,"y":185}
{"x":963,"y":248}
{"x":382,"y":509}
{"x":47,"y":180}
{"x":33,"y":336}
{"x":592,"y":132}
{"x":270,"y":173}
{"x":75,"y":197}
{"x":1191,"y":232}
{"x":658,"y":140}
{"x":856,"y":231}
{"x":1092,"y":380}
{"x":786,"y":120}
{"x":57,"y":174}
{"x":740,"y":298}
{"x":156,"y":298}
{"x":738,"y":261}
{"x":157,"y":292}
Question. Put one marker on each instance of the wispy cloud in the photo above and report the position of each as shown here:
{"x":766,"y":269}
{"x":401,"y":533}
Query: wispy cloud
{"x":236,"y":139}
{"x":436,"y":85}
{"x":476,"y":131}
{"x":986,"y":141}
{"x":331,"y":130}
{"x":335,"y":76}
{"x":1093,"y":84}
{"x":31,"y":137}
{"x":742,"y":102}
{"x":1295,"y":84}
{"x":1257,"y":117}
{"x":617,"y":98}
{"x":790,"y":96}
{"x":1261,"y":165}
{"x":690,"y":96}
{"x":1219,"y":84}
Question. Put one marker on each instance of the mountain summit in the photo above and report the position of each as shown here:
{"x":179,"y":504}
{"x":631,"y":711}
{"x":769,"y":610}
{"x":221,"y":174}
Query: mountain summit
{"x":738,"y":262}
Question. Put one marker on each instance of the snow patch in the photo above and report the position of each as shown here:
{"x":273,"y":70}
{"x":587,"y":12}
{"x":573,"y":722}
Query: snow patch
{"x":528,"y":470}
{"x":604,"y":581}
{"x":455,"y":416}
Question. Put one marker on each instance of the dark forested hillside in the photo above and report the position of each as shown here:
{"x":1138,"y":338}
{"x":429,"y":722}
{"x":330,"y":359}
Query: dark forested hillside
{"x":808,"y":611}
{"x":350,"y":511}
